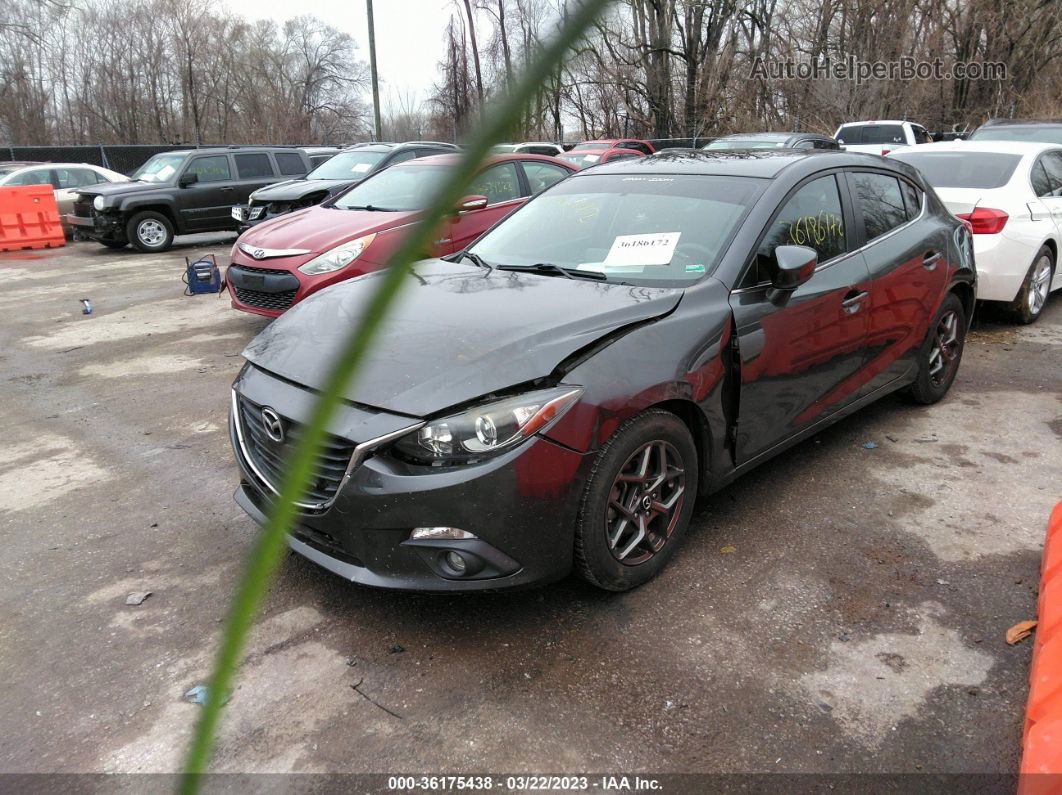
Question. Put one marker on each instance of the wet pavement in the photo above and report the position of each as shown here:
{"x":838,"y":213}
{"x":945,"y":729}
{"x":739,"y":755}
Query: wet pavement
{"x":839,"y":609}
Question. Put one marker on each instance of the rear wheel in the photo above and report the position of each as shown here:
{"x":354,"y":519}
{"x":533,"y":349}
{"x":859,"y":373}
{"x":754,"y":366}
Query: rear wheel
{"x":938,"y":361}
{"x":637,"y":503}
{"x":150,"y":231}
{"x":1032,"y":296}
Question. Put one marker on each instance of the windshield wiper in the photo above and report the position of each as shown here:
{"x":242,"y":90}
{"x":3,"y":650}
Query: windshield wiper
{"x":478,"y":260}
{"x":548,"y":268}
{"x":372,"y":208}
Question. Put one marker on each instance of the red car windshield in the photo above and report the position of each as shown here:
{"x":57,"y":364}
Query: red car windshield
{"x":395,"y":189}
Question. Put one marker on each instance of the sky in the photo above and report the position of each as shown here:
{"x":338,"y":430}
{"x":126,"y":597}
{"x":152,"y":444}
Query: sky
{"x":409,"y":34}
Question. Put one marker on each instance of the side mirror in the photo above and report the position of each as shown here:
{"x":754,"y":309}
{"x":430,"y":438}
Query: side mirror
{"x":188,"y":179}
{"x":474,"y":202}
{"x":794,"y":266}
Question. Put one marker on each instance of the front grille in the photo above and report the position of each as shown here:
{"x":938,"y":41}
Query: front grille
{"x":261,"y":300}
{"x":83,"y":208}
{"x":268,"y":457}
{"x":253,"y":269}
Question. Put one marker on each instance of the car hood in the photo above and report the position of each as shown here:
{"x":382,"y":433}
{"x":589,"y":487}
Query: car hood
{"x":319,"y":229}
{"x":123,"y":188}
{"x":294,"y":189}
{"x":456,"y":333}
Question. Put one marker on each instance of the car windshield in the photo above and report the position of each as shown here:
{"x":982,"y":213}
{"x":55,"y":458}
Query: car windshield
{"x":1039,"y":133}
{"x":395,"y":189}
{"x":347,"y":165}
{"x":582,"y":159}
{"x":160,"y":168}
{"x":962,"y":169}
{"x":659,"y":229}
{"x":746,"y":143}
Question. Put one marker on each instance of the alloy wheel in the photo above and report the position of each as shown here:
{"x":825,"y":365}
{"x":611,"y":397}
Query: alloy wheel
{"x":1040,"y":285}
{"x":645,"y":502}
{"x":151,"y":233}
{"x":944,"y":355}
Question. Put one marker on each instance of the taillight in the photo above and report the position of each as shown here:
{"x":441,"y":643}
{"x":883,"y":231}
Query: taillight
{"x":985,"y":220}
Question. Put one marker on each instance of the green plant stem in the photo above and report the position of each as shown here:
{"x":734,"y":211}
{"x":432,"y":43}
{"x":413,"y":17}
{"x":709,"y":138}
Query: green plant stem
{"x":266,"y":554}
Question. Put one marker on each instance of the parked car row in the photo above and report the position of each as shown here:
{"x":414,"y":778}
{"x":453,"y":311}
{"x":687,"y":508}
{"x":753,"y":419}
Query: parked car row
{"x":553,"y":393}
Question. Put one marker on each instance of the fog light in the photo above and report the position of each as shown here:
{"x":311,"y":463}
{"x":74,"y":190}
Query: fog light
{"x":456,"y":562}
{"x":421,"y":533}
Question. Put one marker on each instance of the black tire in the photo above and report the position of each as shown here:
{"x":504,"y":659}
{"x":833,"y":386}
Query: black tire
{"x":938,"y":361}
{"x":150,"y":231}
{"x":114,"y":243}
{"x":1028,"y":305}
{"x":596,"y":560}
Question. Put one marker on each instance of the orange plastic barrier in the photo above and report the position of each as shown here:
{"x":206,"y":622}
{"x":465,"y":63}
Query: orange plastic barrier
{"x":29,"y":218}
{"x":1042,"y":745}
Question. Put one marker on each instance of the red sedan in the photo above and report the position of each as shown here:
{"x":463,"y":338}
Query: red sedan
{"x":636,"y":144}
{"x":282,"y":261}
{"x":584,"y":158}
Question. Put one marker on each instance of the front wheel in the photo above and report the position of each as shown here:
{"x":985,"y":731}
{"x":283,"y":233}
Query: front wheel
{"x":938,"y":361}
{"x":1032,"y":296}
{"x":150,"y":231}
{"x":638,"y":502}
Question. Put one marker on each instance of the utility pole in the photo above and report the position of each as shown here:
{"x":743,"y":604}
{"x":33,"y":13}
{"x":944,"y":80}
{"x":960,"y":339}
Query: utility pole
{"x":372,"y":69}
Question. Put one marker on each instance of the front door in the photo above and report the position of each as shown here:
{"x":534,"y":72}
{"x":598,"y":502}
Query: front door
{"x":206,"y":205}
{"x":801,"y":355}
{"x":500,"y":183}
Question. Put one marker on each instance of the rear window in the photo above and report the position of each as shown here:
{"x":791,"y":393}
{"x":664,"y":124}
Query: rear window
{"x":872,"y":134}
{"x":291,"y":164}
{"x":962,"y":169}
{"x":1038,"y":133}
{"x":256,"y":165}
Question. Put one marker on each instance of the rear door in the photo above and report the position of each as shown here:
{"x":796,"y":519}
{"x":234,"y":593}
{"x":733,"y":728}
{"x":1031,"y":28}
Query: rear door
{"x":206,"y":204}
{"x":906,"y":248}
{"x":801,"y":356}
{"x":501,"y":185}
{"x":254,"y":170}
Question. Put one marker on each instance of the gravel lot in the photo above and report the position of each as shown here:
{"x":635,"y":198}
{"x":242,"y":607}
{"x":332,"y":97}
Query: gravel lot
{"x":857,"y":624}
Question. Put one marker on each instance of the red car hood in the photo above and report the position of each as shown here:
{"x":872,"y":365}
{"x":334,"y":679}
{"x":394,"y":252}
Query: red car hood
{"x":322,"y":228}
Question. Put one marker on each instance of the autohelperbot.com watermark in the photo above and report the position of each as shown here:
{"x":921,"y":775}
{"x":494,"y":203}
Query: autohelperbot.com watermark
{"x":853,"y":68}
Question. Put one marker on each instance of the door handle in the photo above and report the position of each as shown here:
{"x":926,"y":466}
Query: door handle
{"x":930,"y":260}
{"x":853,"y":301}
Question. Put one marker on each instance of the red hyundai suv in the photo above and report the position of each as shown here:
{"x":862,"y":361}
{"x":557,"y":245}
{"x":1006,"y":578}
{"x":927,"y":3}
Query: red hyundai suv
{"x":281,"y":261}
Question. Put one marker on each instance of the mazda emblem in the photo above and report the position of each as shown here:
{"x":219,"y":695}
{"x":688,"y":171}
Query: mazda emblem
{"x":274,"y":426}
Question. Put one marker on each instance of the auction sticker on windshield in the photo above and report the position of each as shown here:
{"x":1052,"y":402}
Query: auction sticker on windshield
{"x":640,"y":250}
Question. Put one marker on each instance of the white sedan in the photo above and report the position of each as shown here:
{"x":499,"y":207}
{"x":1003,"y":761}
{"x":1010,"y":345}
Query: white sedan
{"x":65,"y":179}
{"x":1011,"y":195}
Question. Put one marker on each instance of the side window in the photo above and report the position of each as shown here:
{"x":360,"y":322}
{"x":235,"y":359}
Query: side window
{"x":637,"y":146}
{"x":408,"y":154}
{"x":498,"y":183}
{"x":254,"y":166}
{"x":39,"y":176}
{"x":811,"y":217}
{"x":1041,"y":185}
{"x":66,"y":178}
{"x":912,"y":199}
{"x":807,"y":143}
{"x":214,"y":168}
{"x":290,"y":164}
{"x":880,"y":202}
{"x":1053,"y":166}
{"x":541,"y":175}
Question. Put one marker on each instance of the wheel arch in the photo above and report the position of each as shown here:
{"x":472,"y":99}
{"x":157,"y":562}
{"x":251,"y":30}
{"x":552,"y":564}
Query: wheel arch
{"x":965,"y":292}
{"x":155,"y":207}
{"x":696,"y":422}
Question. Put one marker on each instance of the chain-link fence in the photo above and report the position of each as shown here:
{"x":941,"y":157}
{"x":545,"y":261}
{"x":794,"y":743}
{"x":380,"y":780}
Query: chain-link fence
{"x":124,"y":159}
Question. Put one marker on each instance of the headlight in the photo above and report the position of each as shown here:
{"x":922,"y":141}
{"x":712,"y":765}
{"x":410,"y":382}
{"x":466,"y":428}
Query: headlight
{"x":338,"y":257}
{"x":97,"y":203}
{"x":487,"y":429}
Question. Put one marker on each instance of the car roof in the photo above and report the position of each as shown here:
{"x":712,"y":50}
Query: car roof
{"x":879,"y":121}
{"x":759,"y":163}
{"x":451,"y":159}
{"x":1019,"y":122}
{"x":763,"y":136}
{"x":35,"y":166}
{"x":1000,"y":147}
